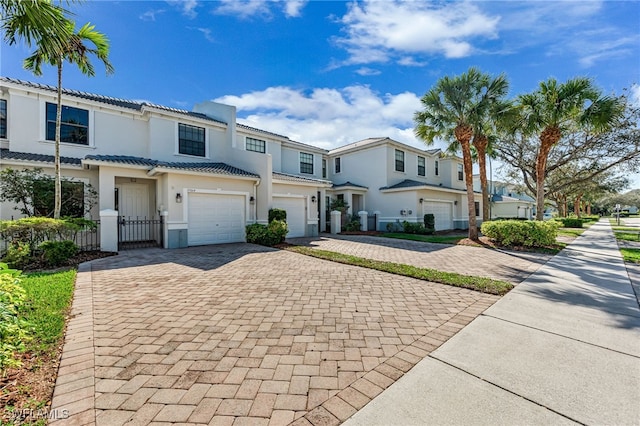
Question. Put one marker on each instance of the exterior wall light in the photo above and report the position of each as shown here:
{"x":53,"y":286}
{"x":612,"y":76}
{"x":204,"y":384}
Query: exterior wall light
{"x":178,"y":198}
{"x":313,"y":198}
{"x":421,"y":200}
{"x":252,"y":200}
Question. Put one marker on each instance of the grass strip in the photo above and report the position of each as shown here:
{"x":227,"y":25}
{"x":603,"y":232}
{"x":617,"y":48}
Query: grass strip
{"x":628,"y":236}
{"x":48,"y":300}
{"x":570,"y":232}
{"x":484,"y":285}
{"x":631,"y":255}
{"x":438,"y":239}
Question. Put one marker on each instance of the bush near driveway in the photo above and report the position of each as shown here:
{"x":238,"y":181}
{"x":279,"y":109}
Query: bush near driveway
{"x":267,"y":235}
{"x":522,"y":233}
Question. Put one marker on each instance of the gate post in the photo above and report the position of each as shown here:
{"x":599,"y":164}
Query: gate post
{"x":164,"y":229}
{"x":364,"y":218}
{"x":109,"y":230}
{"x":336,"y":222}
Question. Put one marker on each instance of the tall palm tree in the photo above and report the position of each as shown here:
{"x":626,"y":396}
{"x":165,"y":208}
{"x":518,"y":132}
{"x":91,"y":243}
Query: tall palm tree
{"x":556,"y":107}
{"x":452,"y":109}
{"x":37,"y":22}
{"x":76,"y":52}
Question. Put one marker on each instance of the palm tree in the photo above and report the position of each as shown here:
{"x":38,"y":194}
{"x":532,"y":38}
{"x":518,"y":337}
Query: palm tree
{"x":37,"y":22}
{"x":556,"y":107}
{"x":453,"y":108}
{"x":76,"y":52}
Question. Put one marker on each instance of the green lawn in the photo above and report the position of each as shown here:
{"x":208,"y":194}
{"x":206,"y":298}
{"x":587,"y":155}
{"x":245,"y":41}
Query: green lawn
{"x":439,"y":239}
{"x":570,"y":232}
{"x":48,"y":300}
{"x":631,"y":255}
{"x":484,"y":285}
{"x":628,"y":236}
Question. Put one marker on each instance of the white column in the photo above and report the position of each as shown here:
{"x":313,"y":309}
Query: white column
{"x":364,"y":216}
{"x":109,"y":230}
{"x":336,"y":222}
{"x":165,"y":229}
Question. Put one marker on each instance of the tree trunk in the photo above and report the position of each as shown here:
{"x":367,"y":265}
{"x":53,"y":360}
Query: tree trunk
{"x":576,"y":205}
{"x":548,"y":138}
{"x":480,"y":143}
{"x":57,"y":206}
{"x":589,"y":208}
{"x":463,"y":135}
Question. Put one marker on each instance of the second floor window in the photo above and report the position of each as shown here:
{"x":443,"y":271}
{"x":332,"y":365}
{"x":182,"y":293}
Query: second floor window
{"x":399,"y":161}
{"x":324,"y":168}
{"x":437,"y":169}
{"x":460,"y":172}
{"x":3,"y":119}
{"x":421,"y":167}
{"x":477,"y":207}
{"x":191,"y":140}
{"x":306,"y":163}
{"x":256,"y":145}
{"x":74,"y":125}
{"x":338,"y":165}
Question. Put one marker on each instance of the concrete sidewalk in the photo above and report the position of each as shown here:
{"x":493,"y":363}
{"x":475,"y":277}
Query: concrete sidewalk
{"x":562,"y":347}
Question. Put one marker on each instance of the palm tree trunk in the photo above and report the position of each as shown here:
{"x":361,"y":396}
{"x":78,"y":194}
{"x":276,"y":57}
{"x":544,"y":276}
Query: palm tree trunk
{"x":58,"y":179}
{"x":480,"y":143}
{"x":548,"y":138}
{"x":468,"y":177}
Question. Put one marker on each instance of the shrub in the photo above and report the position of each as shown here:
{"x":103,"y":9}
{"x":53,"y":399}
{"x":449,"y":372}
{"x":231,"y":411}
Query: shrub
{"x":13,"y":330}
{"x":18,"y":254}
{"x":571,"y":222}
{"x":430,"y":221}
{"x":353,"y":225}
{"x":413,"y":228}
{"x":393,"y":227}
{"x":521,"y":233}
{"x":56,"y":253}
{"x":267,"y":235}
{"x":277,"y":214}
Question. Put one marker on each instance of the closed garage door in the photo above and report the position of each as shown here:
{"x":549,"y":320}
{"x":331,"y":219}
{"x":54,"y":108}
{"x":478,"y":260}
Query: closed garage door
{"x":216,"y":219}
{"x":296,"y":220}
{"x":442,"y":213}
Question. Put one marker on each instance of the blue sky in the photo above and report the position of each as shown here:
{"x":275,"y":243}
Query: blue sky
{"x":332,"y":72}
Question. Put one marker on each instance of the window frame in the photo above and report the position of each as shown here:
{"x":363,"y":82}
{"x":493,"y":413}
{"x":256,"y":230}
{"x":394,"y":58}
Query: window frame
{"x":204,"y":141}
{"x":437,"y":168}
{"x":324,"y":168}
{"x":304,"y":165}
{"x":477,"y":208}
{"x":3,"y":119}
{"x":337,"y":165}
{"x":66,"y":124}
{"x":423,"y":166}
{"x":460,"y":172}
{"x":399,"y":163}
{"x":249,"y":141}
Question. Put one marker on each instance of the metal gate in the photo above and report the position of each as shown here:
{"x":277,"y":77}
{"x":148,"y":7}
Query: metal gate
{"x":139,"y":232}
{"x":372,"y":221}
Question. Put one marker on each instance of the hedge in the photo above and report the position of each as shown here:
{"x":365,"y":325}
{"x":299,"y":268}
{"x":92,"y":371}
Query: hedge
{"x":522,"y":233}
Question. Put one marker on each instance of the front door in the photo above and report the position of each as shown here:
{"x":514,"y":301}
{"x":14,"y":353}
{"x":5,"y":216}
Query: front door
{"x":133,"y":205}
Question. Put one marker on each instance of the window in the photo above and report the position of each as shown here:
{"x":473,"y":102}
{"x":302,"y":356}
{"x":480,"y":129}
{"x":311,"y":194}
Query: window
{"x":460,"y":172}
{"x":421,"y":167}
{"x":399,"y":161}
{"x":306,"y":163}
{"x":437,"y":170}
{"x":324,"y":168}
{"x":256,"y":145}
{"x":477,"y":206}
{"x":74,"y":124}
{"x":338,"y":164}
{"x":3,"y":119}
{"x":191,"y":140}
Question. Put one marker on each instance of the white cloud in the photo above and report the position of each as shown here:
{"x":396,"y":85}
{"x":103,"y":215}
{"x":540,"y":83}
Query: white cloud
{"x":206,"y":32}
{"x":186,"y":7}
{"x":293,"y":8}
{"x":366,"y":71}
{"x":244,"y":9}
{"x":329,"y":118}
{"x":150,"y":15}
{"x":377,"y":31}
{"x":634,"y":94}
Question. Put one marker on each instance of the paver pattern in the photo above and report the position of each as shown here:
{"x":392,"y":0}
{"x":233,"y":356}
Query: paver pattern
{"x":510,"y":266}
{"x":241,"y":334}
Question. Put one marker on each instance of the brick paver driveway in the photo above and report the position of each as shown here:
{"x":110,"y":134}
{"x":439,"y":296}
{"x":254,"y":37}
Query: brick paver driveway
{"x":241,"y":334}
{"x":510,"y":266}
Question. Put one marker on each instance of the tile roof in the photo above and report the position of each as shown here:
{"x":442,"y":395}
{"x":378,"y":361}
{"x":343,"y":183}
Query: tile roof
{"x":408,"y":183}
{"x":348,"y":183}
{"x":296,"y":178}
{"x":38,"y":158}
{"x":118,"y":102}
{"x":214,"y":168}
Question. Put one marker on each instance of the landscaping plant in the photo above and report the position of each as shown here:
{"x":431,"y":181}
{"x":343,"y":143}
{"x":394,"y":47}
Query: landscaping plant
{"x":522,"y":233}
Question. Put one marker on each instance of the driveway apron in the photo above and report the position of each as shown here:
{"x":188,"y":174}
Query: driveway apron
{"x":241,"y":334}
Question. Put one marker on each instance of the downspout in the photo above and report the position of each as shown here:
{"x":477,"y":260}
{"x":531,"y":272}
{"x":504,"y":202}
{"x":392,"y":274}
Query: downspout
{"x":255,"y":201}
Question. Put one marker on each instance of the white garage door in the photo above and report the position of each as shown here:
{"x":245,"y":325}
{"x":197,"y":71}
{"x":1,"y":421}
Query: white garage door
{"x":442,"y":213}
{"x":296,"y":220}
{"x":216,"y":219}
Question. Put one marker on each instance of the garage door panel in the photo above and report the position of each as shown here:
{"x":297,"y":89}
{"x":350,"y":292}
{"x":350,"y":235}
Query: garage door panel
{"x":296,"y":215}
{"x":441,"y":212}
{"x":216,"y":219}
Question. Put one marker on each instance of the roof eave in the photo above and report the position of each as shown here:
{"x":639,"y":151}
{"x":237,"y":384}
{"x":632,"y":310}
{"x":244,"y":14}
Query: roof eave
{"x":317,"y":184}
{"x":16,"y":162}
{"x":159,"y":169}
